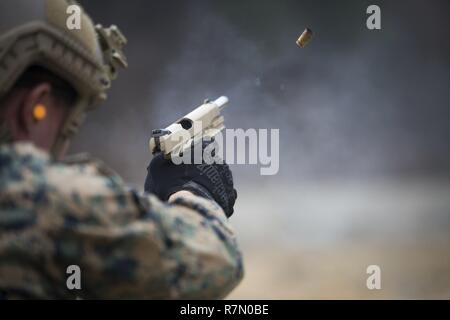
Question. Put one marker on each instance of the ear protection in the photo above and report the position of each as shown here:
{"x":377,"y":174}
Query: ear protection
{"x":39,"y":112}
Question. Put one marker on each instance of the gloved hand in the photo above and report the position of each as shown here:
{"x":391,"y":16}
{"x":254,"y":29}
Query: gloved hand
{"x":212,"y":181}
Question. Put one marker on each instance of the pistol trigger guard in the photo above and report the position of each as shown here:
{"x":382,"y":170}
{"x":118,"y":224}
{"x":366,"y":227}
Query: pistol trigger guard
{"x":157,"y":134}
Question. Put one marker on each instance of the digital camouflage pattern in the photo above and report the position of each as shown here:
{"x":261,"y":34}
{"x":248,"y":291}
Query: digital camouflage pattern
{"x":127,"y":244}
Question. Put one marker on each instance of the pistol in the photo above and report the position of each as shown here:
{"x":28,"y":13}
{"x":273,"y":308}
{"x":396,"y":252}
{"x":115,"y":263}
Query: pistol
{"x":204,"y":121}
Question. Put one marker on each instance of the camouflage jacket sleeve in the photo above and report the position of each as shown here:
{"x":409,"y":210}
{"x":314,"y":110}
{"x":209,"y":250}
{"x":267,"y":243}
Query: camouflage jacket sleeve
{"x":131,"y":245}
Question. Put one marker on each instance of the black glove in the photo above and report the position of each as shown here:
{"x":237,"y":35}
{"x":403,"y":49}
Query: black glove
{"x":212,"y":181}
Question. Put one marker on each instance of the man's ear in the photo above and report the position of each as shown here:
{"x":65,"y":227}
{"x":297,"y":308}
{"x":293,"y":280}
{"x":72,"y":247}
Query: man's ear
{"x":38,"y":95}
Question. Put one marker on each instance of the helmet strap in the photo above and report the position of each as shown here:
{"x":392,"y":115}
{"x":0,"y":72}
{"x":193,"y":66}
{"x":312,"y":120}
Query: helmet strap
{"x":69,"y":128}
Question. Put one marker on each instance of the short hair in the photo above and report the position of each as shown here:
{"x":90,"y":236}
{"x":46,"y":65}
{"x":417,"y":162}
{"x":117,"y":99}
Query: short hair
{"x":61,"y":89}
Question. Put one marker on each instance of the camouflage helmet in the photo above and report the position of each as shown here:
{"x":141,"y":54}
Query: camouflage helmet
{"x":37,"y":33}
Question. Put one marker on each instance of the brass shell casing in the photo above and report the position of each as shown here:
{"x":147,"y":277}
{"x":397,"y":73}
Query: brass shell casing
{"x":304,"y":38}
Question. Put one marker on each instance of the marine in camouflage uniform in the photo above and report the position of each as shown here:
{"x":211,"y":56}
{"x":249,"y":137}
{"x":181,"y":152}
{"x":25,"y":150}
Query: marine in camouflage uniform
{"x":173,"y":241}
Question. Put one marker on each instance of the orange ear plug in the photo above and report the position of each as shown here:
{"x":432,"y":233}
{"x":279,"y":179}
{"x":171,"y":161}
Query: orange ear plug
{"x":39,"y":112}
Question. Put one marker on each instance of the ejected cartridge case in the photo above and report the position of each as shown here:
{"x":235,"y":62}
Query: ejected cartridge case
{"x":304,"y":38}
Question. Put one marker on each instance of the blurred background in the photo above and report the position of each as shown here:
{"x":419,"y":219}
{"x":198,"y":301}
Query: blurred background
{"x":364,"y":132}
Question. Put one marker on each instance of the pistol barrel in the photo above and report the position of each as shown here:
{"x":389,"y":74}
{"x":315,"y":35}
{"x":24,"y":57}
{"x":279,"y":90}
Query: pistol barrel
{"x":221,"y":102}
